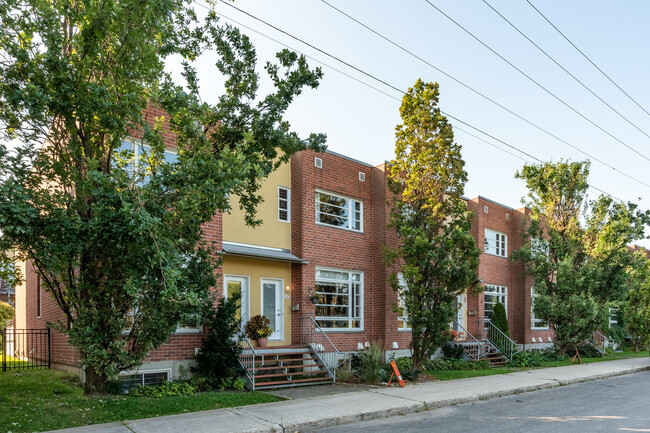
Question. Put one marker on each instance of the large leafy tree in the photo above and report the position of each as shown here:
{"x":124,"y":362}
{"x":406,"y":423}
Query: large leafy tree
{"x":117,"y":237}
{"x":576,"y":249}
{"x":637,"y":306}
{"x":437,"y":254}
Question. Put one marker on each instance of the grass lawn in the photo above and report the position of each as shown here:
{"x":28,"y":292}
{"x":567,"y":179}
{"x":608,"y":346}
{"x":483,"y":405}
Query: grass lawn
{"x":42,"y":400}
{"x":461,"y":374}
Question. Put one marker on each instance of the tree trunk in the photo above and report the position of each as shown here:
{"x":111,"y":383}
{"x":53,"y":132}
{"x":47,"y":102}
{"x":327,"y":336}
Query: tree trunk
{"x":95,"y":383}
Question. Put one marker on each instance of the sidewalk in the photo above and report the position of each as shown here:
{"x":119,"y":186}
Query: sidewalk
{"x":316,"y":412}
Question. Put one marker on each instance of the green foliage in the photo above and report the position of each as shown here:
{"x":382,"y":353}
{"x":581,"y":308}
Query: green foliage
{"x":165,"y":389}
{"x":589,"y":351}
{"x":637,"y":307}
{"x":452,"y":350}
{"x":371,"y":366}
{"x":405,"y":367}
{"x":118,"y":238}
{"x":258,"y":327}
{"x":534,"y":358}
{"x":578,"y":268}
{"x":455,"y":364}
{"x":218,"y":357}
{"x":500,"y":319}
{"x":7,"y":313}
{"x":437,"y":254}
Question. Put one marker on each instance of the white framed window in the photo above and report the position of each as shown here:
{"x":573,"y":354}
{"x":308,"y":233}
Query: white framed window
{"x":535,"y":321}
{"x":145,"y":378}
{"x":339,"y":304}
{"x":318,"y":163}
{"x":284,"y":204}
{"x":494,"y":295}
{"x":496,"y":243}
{"x":339,"y":211}
{"x":403,"y":319}
{"x":362,"y":176}
{"x":140,"y":152}
{"x":613,"y":317}
{"x":191,"y":326}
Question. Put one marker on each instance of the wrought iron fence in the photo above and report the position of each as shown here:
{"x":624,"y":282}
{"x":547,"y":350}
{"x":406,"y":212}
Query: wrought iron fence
{"x":26,"y":349}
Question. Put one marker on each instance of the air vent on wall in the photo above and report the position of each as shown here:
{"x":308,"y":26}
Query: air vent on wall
{"x":507,"y":217}
{"x":485,"y":209}
{"x":362,"y":176}
{"x":318,"y":163}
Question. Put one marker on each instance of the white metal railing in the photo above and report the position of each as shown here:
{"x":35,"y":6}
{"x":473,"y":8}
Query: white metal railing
{"x":600,"y":342}
{"x":248,"y":359}
{"x":474,"y":349}
{"x":324,"y":349}
{"x":501,"y":341}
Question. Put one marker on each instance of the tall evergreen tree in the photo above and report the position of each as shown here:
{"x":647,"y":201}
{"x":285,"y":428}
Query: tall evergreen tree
{"x":437,"y":255}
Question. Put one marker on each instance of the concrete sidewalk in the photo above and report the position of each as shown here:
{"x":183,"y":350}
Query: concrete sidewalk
{"x":312,"y":413}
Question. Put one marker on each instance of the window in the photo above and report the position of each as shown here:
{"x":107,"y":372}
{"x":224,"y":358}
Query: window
{"x":493,"y":295}
{"x":496,"y":243}
{"x":339,"y":302}
{"x":318,"y":163}
{"x":613,"y":317}
{"x":403,"y":320}
{"x":535,"y":322}
{"x":284,"y":204}
{"x":337,"y":211}
{"x":39,"y":297}
{"x":190,"y":326}
{"x":140,"y":152}
{"x":128,"y":381}
{"x":362,"y":176}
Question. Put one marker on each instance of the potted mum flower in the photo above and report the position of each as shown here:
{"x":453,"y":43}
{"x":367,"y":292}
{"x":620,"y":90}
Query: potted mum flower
{"x":258,"y":329}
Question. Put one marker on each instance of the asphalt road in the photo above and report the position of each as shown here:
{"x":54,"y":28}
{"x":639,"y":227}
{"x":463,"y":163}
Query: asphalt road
{"x":617,"y":404}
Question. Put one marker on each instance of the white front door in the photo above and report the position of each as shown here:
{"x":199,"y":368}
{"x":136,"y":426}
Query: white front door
{"x":272,"y":306}
{"x":235,"y":282}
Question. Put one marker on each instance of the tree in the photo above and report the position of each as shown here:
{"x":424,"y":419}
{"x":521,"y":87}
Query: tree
{"x":7,"y":313}
{"x":437,"y":254}
{"x":117,"y":236}
{"x":500,"y":319}
{"x":637,"y":307}
{"x":578,"y":267}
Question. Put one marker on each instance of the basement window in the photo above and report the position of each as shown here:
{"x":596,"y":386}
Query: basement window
{"x":146,"y":378}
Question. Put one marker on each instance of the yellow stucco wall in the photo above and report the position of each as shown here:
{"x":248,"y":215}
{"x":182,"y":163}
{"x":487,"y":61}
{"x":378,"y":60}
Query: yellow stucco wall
{"x":255,"y":270}
{"x":271,"y":233}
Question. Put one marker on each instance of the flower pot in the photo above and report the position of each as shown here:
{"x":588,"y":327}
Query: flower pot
{"x":261,"y":342}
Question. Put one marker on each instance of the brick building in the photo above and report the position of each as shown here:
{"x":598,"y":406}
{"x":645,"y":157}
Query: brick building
{"x":318,"y":255}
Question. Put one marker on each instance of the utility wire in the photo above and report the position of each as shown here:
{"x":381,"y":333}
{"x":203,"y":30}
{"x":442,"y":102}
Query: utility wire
{"x":388,"y":85}
{"x":565,"y":70}
{"x":588,"y":59}
{"x":536,"y":82}
{"x":481,"y":94}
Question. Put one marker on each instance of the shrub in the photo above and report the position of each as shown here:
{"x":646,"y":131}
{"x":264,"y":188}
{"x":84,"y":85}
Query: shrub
{"x":218,"y":357}
{"x":534,"y":358}
{"x":405,"y":367}
{"x":456,"y":364}
{"x":588,"y":351}
{"x":371,"y":362}
{"x":165,"y":389}
{"x":7,"y":313}
{"x":500,"y":318}
{"x":452,"y":350}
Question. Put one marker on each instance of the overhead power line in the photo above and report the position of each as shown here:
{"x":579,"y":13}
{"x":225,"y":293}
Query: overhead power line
{"x":536,"y":82}
{"x":588,"y":59}
{"x":387,"y":84}
{"x":565,"y":70}
{"x":412,"y":54}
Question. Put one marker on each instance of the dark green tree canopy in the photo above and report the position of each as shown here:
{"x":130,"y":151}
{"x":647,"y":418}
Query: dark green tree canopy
{"x":117,"y":236}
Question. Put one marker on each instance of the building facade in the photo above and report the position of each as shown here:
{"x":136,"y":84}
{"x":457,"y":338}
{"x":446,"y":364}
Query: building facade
{"x":319,"y":254}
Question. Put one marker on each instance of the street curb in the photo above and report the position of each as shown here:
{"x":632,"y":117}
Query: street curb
{"x":417,"y":407}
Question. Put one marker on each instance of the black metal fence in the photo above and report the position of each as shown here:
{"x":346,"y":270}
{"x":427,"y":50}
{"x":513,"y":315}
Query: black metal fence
{"x":25,"y":349}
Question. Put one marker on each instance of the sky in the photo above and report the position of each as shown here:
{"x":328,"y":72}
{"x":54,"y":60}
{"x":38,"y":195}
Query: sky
{"x":359,"y":114}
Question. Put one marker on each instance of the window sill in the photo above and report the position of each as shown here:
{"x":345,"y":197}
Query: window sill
{"x":339,"y":227}
{"x":495,"y":255}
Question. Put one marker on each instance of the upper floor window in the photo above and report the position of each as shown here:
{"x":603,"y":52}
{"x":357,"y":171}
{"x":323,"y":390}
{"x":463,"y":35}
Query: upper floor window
{"x":338,"y":211}
{"x":284,"y":204}
{"x":496,"y":243}
{"x":535,"y":321}
{"x":140,"y":152}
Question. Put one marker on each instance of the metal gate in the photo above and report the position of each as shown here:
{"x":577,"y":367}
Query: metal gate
{"x":25,"y":349}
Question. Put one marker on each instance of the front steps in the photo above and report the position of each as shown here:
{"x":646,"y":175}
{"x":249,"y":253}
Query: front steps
{"x":484,"y":350}
{"x":287,"y":366}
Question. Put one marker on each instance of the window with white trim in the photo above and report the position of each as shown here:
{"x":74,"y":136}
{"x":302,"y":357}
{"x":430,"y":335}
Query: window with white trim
{"x":335,"y":210}
{"x":139,"y":153}
{"x":613,"y":317}
{"x":339,"y":304}
{"x":535,"y":321}
{"x":192,"y":325}
{"x":494,"y":295}
{"x":496,"y":243}
{"x":284,"y":204}
{"x":403,"y":320}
